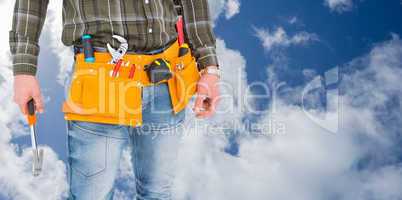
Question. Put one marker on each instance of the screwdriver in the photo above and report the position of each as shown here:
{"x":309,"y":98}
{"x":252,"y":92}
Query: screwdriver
{"x":88,"y":48}
{"x":37,"y":154}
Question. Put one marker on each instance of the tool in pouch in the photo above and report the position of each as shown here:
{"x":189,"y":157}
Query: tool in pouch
{"x":37,"y":153}
{"x":117,"y":55}
{"x":88,"y":48}
{"x":159,"y":70}
{"x":184,"y":48}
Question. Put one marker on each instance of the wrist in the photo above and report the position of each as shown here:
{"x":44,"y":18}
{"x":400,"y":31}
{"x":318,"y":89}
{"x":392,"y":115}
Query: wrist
{"x":212,"y":67}
{"x":24,"y":69}
{"x":211,"y":70}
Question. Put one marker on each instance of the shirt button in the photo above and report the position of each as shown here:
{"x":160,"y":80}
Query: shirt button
{"x":150,"y":30}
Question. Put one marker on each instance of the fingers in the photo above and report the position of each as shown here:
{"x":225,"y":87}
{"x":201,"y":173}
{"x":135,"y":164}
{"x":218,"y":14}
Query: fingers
{"x":209,"y":108}
{"x":213,"y":104}
{"x":22,"y":101}
{"x":26,"y":87}
{"x":38,"y":102}
{"x":205,"y":105}
{"x":199,"y":104}
{"x":23,"y":107}
{"x":207,"y":97}
{"x":202,"y":94}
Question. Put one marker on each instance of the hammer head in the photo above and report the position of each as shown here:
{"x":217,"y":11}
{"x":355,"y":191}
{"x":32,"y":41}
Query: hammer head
{"x":37,"y":162}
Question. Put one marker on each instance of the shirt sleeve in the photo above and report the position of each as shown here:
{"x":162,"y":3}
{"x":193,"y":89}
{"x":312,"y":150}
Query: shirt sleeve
{"x":28,"y":19}
{"x":198,"y":28}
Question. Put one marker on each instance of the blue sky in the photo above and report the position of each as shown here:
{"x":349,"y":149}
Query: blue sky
{"x":287,"y":40}
{"x":343,"y":36}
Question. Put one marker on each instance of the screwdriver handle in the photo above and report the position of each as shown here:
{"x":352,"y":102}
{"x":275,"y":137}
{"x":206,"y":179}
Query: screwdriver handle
{"x":88,"y":48}
{"x":31,"y":112}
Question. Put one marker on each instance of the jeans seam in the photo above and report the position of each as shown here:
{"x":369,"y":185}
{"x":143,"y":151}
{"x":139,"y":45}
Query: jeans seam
{"x":95,"y":132}
{"x":69,"y":171}
{"x":101,"y":170}
{"x":106,"y":153}
{"x":136,"y":167}
{"x":78,"y":170}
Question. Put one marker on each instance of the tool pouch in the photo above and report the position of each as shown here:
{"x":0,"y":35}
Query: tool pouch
{"x":96,"y":96}
{"x":183,"y":85}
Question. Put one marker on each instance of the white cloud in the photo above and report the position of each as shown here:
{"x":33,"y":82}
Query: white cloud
{"x":279,"y":38}
{"x":339,"y":5}
{"x":229,"y":7}
{"x":306,"y":161}
{"x":232,"y":8}
{"x":293,"y":20}
{"x":16,"y":180}
{"x":126,"y":177}
{"x":201,"y":157}
{"x":64,"y":54}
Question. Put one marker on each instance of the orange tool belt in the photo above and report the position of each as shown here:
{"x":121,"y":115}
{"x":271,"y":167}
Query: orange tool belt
{"x":96,"y":96}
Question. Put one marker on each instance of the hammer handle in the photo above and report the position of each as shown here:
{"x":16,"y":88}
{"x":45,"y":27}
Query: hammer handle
{"x":31,"y":112}
{"x":31,"y":107}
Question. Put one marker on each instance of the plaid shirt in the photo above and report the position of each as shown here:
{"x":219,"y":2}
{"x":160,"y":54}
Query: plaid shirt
{"x":146,"y":24}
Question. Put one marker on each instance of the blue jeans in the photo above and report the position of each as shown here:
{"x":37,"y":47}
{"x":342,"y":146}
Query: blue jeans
{"x":95,"y":151}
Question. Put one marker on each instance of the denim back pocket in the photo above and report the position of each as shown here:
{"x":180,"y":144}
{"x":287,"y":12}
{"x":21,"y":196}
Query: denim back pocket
{"x":87,"y":151}
{"x":88,"y":145}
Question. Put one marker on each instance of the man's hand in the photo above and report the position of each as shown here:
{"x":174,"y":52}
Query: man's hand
{"x":26,"y":87}
{"x":207,"y":95}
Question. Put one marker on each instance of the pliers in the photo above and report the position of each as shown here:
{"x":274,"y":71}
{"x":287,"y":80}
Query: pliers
{"x":117,"y":55}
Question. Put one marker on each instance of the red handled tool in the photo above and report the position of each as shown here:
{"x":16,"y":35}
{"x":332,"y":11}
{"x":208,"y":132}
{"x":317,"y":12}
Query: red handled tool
{"x":117,"y":55}
{"x":184,"y":48}
{"x":180,"y":30}
{"x":116,"y":68}
{"x":132,"y":71}
{"x":37,"y":154}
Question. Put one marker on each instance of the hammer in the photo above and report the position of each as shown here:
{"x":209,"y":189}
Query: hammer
{"x":37,"y":154}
